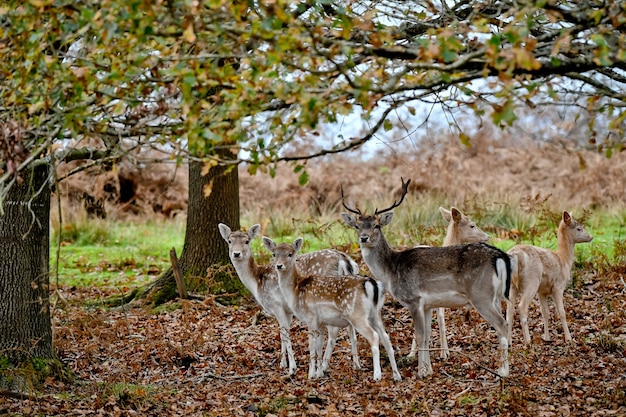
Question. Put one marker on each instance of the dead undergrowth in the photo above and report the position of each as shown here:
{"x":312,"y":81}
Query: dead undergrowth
{"x":490,"y":170}
{"x":204,"y":359}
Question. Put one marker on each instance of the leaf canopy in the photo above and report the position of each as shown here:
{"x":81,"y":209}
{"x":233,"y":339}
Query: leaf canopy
{"x":254,"y":75}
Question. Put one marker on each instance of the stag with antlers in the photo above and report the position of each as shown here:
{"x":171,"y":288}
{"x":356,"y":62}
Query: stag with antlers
{"x":424,"y":278}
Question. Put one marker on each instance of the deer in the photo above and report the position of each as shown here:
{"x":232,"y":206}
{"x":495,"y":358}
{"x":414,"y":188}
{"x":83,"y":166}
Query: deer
{"x":544,"y":272}
{"x":319,"y":300}
{"x":461,"y":229}
{"x":423,"y":278}
{"x":262,"y":282}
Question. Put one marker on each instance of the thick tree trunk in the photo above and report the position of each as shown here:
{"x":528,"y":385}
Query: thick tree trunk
{"x":25,"y":326}
{"x":213,"y":198}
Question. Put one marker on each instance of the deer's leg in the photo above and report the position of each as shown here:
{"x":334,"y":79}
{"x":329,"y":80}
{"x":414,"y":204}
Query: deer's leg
{"x":428,"y":329}
{"x":354,"y":347}
{"x":421,"y":322}
{"x":510,"y":311}
{"x":283,"y":349}
{"x":287,"y":348}
{"x":494,"y":317}
{"x":284,"y":321}
{"x":557,"y":296}
{"x":373,"y":339}
{"x":377,"y":324}
{"x":444,"y":352}
{"x":313,"y":340}
{"x":527,"y":294}
{"x":413,"y":351}
{"x":545,"y":314}
{"x":330,"y":345}
{"x":319,"y":344}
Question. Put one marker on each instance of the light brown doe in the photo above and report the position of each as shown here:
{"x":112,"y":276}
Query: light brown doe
{"x":546,"y":273}
{"x":262,"y":282}
{"x":319,"y":300}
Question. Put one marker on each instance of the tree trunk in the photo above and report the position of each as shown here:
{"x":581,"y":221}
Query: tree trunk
{"x":213,"y":198}
{"x":25,"y":325}
{"x":204,"y":245}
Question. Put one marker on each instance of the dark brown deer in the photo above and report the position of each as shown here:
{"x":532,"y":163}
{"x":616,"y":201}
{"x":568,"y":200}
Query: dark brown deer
{"x":424,"y":278}
{"x":461,"y":229}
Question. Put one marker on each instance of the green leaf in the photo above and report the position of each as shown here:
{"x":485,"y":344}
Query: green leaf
{"x":303,"y":179}
{"x":465,"y":139}
{"x":505,"y":114}
{"x":448,"y":55}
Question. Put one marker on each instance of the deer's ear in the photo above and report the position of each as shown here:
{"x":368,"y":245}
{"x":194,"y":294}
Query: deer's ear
{"x":567,"y":218}
{"x":457,"y":216}
{"x":385,"y":218}
{"x":268,"y":243}
{"x":253,"y":231}
{"x":297,"y":244}
{"x":348,"y":219}
{"x":224,"y":231}
{"x":447,"y":216}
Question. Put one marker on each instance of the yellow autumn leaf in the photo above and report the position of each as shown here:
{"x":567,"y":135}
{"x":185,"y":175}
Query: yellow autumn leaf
{"x":188,"y":33}
{"x":207,"y":189}
{"x":41,"y":3}
{"x":35,"y":107}
{"x":207,"y":166}
{"x":526,"y":59}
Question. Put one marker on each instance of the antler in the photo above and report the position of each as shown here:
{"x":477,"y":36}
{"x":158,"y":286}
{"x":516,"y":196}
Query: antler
{"x":405,"y":190}
{"x":343,"y":201}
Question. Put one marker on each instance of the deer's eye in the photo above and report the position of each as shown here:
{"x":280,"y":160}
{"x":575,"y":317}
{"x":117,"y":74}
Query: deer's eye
{"x":290,"y":255}
{"x":247,"y":242}
{"x":230,"y":241}
{"x":377,"y":226}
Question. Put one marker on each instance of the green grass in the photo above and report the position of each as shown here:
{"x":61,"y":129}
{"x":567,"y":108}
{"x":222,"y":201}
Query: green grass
{"x":104,"y":253}
{"x":419,"y":222}
{"x":97,"y":252}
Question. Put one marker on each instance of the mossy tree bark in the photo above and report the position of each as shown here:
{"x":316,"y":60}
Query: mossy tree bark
{"x":25,"y":325}
{"x":213,"y":198}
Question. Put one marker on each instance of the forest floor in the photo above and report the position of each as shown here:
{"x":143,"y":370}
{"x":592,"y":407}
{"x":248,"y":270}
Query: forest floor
{"x":206,"y":359}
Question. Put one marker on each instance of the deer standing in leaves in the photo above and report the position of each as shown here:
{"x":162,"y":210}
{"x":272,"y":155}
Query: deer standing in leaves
{"x":424,"y":278}
{"x":461,"y":229}
{"x":546,"y":273}
{"x":320,"y":300}
{"x":262,"y":282}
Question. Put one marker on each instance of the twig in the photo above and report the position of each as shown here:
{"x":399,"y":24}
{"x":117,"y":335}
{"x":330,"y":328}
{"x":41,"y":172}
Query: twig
{"x":491,"y":371}
{"x":18,"y":395}
{"x":462,"y":392}
{"x":470,"y":358}
{"x":180,"y":283}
